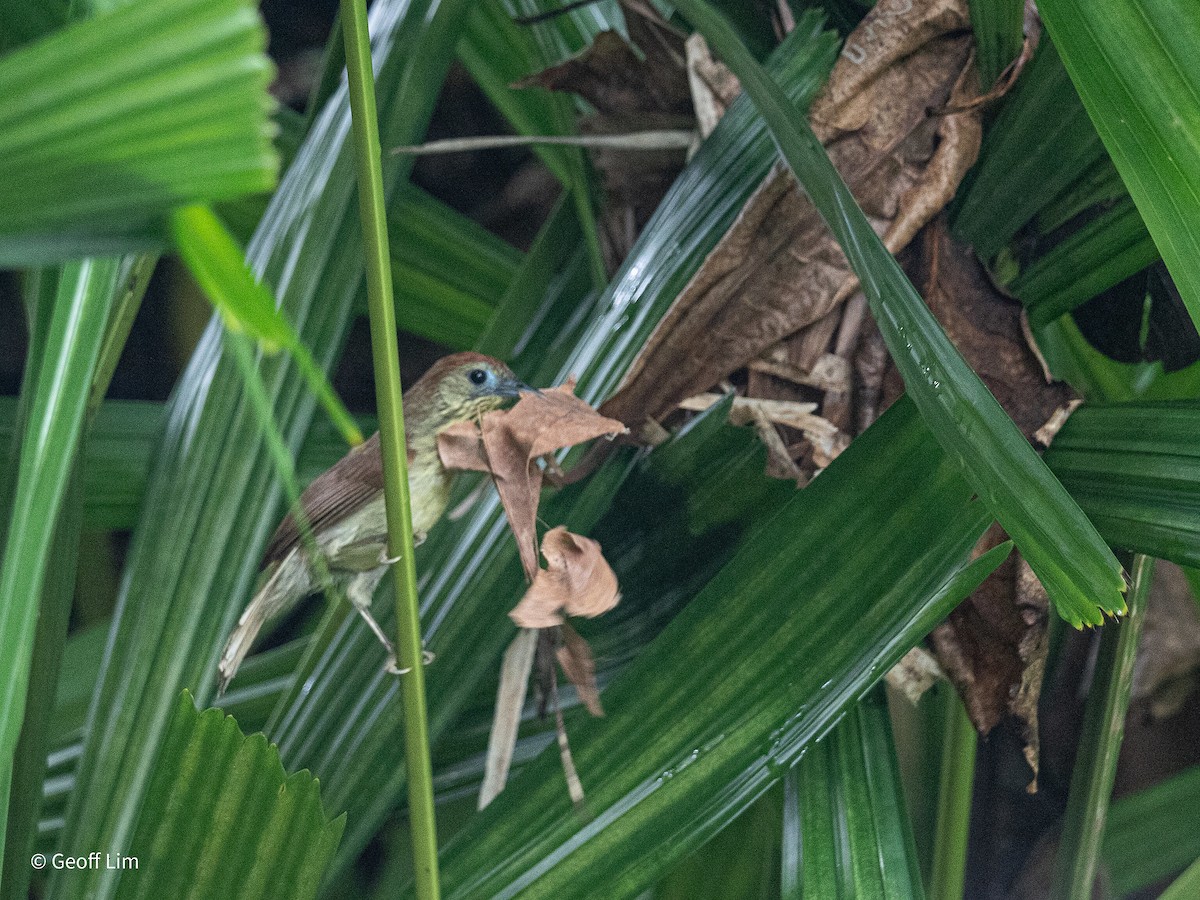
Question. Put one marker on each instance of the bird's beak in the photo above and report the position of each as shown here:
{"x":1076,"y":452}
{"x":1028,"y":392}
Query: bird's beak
{"x":511,"y":387}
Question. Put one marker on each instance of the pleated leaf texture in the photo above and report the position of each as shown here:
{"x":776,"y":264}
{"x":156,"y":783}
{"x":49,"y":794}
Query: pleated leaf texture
{"x":109,"y":123}
{"x":223,"y":820}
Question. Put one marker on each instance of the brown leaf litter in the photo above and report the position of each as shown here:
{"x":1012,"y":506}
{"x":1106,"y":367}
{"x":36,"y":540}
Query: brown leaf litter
{"x":993,"y":646}
{"x":632,"y":87}
{"x":577,"y":580}
{"x":778,"y":271}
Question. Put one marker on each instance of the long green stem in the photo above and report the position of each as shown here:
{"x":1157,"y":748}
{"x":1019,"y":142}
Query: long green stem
{"x":1100,"y":744}
{"x":391,"y":437}
{"x":954,"y":803}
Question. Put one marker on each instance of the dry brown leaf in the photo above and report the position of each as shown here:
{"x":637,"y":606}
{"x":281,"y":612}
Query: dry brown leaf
{"x":630,"y":92}
{"x":778,"y":269}
{"x":616,"y":81}
{"x":506,"y":721}
{"x":577,"y":581}
{"x":508,"y":448}
{"x":985,"y":326}
{"x":993,"y":648}
{"x":575,"y":657}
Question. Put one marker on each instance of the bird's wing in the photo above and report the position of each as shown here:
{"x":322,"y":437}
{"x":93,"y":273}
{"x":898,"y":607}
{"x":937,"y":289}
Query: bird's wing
{"x":353,"y":481}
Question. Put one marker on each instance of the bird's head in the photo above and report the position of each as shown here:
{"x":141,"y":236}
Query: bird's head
{"x":459,"y":387}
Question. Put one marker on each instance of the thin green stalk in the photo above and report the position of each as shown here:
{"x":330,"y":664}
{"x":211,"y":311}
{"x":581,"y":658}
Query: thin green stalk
{"x":1100,"y":744}
{"x":954,"y":802}
{"x":256,"y":392}
{"x":391,"y":437}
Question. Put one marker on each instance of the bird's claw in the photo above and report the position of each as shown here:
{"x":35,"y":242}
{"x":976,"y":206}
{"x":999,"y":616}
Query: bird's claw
{"x":392,"y":666}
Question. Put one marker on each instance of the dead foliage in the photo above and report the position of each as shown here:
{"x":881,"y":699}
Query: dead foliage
{"x":508,"y":443}
{"x":578,"y":581}
{"x":778,"y":274}
{"x":993,"y":646}
{"x":632,"y":88}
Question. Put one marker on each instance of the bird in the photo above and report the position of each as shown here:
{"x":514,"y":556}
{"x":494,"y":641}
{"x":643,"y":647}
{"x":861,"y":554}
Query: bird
{"x":344,"y":506}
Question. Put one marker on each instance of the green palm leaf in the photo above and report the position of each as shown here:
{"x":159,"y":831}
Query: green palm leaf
{"x":108,"y":124}
{"x":1133,"y":62}
{"x":223,"y":821}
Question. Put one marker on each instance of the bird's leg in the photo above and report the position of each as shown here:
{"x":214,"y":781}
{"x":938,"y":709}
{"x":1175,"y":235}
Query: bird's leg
{"x":359,"y":591}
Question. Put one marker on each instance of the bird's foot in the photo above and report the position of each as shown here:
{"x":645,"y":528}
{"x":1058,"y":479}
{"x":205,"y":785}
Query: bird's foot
{"x":392,"y":666}
{"x":385,"y":560}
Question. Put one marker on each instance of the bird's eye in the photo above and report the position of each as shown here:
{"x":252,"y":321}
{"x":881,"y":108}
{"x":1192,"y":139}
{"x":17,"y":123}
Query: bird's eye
{"x":477,"y":376}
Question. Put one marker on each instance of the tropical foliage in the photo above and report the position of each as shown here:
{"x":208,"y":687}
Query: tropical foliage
{"x":748,"y":748}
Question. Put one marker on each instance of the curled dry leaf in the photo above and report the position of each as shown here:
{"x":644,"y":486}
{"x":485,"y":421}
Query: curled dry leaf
{"x":508,"y":445}
{"x":779,"y":270}
{"x":577,"y":581}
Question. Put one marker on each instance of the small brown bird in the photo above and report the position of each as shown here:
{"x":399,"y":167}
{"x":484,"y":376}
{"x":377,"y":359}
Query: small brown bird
{"x":344,"y":505}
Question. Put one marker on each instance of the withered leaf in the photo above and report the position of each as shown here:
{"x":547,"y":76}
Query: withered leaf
{"x":778,"y":270}
{"x":985,"y":326}
{"x":616,"y":81}
{"x":575,"y":657}
{"x":993,"y":646}
{"x":509,"y":445}
{"x":577,"y":581}
{"x":630,"y":91}
{"x":506,"y":721}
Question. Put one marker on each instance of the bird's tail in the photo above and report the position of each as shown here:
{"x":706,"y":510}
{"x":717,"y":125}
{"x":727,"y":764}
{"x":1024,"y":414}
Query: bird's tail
{"x":266,"y":603}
